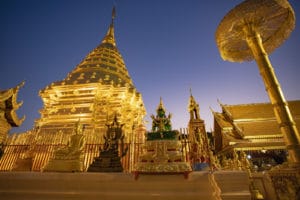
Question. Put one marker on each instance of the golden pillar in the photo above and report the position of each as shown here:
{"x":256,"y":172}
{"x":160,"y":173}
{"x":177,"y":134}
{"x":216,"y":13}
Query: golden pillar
{"x":280,"y":106}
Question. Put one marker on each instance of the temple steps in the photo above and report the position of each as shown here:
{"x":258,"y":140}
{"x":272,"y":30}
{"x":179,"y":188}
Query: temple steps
{"x":52,"y":185}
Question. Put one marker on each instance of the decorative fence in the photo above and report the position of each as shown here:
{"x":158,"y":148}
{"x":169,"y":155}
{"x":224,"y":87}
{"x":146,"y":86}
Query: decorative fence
{"x":41,"y":153}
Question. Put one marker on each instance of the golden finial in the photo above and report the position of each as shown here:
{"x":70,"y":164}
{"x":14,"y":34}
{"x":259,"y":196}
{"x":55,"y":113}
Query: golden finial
{"x":161,"y":105}
{"x":110,"y":36}
{"x":113,"y":13}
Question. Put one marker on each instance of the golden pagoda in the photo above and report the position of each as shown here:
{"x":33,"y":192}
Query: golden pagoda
{"x":94,"y":92}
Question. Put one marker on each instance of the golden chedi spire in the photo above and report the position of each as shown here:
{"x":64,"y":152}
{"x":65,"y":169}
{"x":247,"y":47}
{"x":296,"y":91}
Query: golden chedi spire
{"x":93,"y":91}
{"x":110,"y":35}
{"x":104,"y":64}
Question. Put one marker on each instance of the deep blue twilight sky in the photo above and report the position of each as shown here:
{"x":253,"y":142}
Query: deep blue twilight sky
{"x":168,"y":47}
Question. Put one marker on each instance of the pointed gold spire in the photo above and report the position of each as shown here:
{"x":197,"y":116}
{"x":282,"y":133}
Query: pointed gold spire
{"x":104,"y":64}
{"x":110,"y":35}
{"x":113,"y":14}
{"x":161,"y":105}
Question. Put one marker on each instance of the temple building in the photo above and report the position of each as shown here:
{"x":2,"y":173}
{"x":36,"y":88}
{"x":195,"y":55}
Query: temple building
{"x":95,"y":91}
{"x":8,"y":115}
{"x":252,"y":128}
{"x":8,"y":108}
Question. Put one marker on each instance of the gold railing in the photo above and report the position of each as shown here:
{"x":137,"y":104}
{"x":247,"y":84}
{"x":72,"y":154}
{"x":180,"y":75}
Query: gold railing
{"x":41,"y":153}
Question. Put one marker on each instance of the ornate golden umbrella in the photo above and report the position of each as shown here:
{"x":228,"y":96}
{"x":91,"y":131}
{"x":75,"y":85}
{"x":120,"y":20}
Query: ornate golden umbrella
{"x":250,"y":31}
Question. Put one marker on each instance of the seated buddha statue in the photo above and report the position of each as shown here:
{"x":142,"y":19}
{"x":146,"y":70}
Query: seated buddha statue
{"x":74,"y":147}
{"x":69,"y":158}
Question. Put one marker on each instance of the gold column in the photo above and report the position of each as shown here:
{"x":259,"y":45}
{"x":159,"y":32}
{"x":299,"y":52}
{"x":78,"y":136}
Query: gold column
{"x":280,"y":106}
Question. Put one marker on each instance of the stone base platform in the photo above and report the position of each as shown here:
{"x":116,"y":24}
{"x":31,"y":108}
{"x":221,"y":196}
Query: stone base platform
{"x":23,"y":164}
{"x":115,"y":186}
{"x":54,"y":165}
{"x":108,"y":161}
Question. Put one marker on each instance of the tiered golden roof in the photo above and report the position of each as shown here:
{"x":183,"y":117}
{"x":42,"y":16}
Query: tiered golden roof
{"x":251,"y":126}
{"x":103,"y":65}
{"x":8,"y":108}
{"x":8,"y":115}
{"x":9,"y":105}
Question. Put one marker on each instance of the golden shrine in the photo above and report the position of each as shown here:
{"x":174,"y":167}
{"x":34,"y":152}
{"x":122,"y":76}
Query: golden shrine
{"x":162,"y":149}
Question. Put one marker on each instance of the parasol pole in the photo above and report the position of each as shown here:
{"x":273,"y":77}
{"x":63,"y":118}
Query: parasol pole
{"x":280,"y":106}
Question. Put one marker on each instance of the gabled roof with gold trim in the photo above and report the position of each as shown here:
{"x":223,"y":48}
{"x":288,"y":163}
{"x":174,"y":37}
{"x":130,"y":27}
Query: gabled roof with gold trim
{"x":220,"y":119}
{"x":257,"y":119}
{"x":9,"y":105}
{"x":258,"y":110}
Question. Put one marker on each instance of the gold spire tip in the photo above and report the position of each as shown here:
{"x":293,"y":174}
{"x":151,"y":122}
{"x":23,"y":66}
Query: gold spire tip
{"x":113,"y":13}
{"x":191,"y":94}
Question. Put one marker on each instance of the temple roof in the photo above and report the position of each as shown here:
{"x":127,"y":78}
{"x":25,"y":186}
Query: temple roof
{"x":9,"y":105}
{"x":258,"y":110}
{"x":254,"y":120}
{"x":104,"y":65}
{"x":221,"y":120}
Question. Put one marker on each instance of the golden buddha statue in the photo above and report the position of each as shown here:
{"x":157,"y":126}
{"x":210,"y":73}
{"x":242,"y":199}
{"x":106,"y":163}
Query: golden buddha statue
{"x":70,"y":157}
{"x":74,"y":147}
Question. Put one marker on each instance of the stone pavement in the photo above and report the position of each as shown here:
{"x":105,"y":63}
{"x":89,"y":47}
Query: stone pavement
{"x":115,"y":186}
